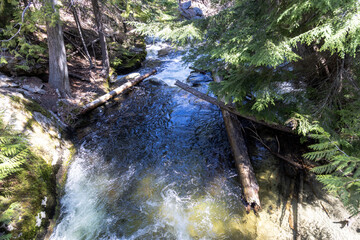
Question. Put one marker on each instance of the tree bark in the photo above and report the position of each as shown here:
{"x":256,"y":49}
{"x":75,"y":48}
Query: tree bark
{"x":242,"y":160}
{"x":101,"y":100}
{"x":58,"y":70}
{"x":230,"y":108}
{"x":78,"y":25}
{"x":100,"y":29}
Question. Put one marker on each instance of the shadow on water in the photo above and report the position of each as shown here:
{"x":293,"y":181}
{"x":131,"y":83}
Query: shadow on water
{"x":156,"y":164}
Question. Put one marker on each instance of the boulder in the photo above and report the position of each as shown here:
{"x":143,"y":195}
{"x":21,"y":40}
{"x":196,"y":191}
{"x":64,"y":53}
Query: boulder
{"x":153,"y":63}
{"x":163,"y":52}
{"x":12,"y":68}
{"x":190,"y":13}
{"x":185,"y":5}
{"x":197,"y":78}
{"x":4,"y":78}
{"x":34,"y":89}
{"x":126,"y":59}
{"x":156,"y":82}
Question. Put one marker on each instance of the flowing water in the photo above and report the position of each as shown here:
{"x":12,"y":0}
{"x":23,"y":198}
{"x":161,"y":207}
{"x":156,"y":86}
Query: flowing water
{"x":155,"y":166}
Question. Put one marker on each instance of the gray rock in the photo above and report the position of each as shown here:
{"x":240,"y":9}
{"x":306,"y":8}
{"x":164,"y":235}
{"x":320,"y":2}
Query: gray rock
{"x":5,"y":78}
{"x":186,"y":5}
{"x":34,"y":89}
{"x":153,"y":63}
{"x":4,"y":85}
{"x":191,"y":13}
{"x":156,"y":82}
{"x":198,"y":12}
{"x":165,"y":51}
{"x":13,"y":85}
{"x":197,"y":78}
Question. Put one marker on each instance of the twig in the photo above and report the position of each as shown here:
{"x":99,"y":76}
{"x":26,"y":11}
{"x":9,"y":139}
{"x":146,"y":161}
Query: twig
{"x":61,"y":123}
{"x":293,"y":163}
{"x":20,"y":24}
{"x":76,"y":46}
{"x":87,"y":45}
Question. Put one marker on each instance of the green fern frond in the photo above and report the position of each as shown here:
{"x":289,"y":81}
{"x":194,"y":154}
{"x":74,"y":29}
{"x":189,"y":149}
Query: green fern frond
{"x":319,"y":155}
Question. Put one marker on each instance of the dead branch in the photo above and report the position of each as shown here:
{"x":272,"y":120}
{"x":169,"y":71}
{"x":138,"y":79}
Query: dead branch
{"x":288,"y":160}
{"x":74,"y":75}
{"x":20,"y":24}
{"x":87,"y":45}
{"x":241,"y":157}
{"x":101,"y":100}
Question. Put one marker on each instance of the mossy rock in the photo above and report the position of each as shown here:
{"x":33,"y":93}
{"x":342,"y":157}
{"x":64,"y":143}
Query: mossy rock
{"x":125,"y":58}
{"x":23,"y":211}
{"x":29,"y":200}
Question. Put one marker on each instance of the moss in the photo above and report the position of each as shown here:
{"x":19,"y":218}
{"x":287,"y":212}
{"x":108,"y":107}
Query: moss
{"x":35,"y":182}
{"x":31,"y":106}
{"x":30,"y":124}
{"x":21,"y":200}
{"x":124,"y":60}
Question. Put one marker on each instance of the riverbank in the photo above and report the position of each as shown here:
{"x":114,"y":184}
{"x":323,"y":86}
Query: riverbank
{"x":30,"y":197}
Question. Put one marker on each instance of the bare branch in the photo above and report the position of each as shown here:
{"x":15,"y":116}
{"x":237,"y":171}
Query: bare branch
{"x":20,"y":24}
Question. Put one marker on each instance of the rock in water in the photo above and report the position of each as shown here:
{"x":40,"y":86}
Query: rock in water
{"x":163,"y":52}
{"x":197,"y":78}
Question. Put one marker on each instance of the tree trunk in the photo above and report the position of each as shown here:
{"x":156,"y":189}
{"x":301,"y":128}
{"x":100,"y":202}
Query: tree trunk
{"x":58,"y":70}
{"x":242,"y":160}
{"x":78,"y":25}
{"x":100,"y":29}
{"x":101,"y":100}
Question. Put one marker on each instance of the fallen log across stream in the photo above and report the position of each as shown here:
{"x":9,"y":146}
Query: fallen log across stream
{"x":246,"y":172}
{"x":230,"y":108}
{"x":101,"y":100}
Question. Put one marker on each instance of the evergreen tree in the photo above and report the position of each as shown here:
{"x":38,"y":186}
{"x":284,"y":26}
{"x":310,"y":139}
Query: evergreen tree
{"x":287,"y":60}
{"x":58,"y":70}
{"x":100,"y":29}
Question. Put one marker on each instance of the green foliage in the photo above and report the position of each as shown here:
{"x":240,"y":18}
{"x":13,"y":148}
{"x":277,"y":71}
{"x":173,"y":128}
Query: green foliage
{"x":13,"y":152}
{"x":28,"y":44}
{"x":25,"y":180}
{"x":339,"y":172}
{"x":309,"y":45}
{"x":264,"y":98}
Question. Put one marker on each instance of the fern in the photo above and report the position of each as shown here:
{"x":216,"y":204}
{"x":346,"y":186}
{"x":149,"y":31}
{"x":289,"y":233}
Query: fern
{"x":340,"y":173}
{"x":13,"y":152}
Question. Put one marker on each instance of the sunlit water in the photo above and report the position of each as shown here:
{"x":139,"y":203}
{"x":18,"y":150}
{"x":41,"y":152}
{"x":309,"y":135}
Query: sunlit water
{"x":155,"y":166}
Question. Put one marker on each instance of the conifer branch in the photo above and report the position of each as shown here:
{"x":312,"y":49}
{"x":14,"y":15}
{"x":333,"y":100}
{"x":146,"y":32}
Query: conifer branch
{"x":20,"y":24}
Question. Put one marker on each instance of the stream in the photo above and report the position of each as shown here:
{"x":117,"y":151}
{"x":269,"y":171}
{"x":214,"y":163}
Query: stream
{"x":155,"y":163}
{"x":155,"y":166}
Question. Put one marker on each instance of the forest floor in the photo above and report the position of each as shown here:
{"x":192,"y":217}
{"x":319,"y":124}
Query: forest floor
{"x":82,"y":91}
{"x":92,"y":83}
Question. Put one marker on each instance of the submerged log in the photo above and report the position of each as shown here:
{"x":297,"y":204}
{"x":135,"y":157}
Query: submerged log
{"x":101,"y":100}
{"x":230,"y":108}
{"x":242,"y":160}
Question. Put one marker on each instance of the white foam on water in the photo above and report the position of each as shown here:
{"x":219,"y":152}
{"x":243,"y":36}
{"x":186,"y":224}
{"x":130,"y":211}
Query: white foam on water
{"x":83,"y":210}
